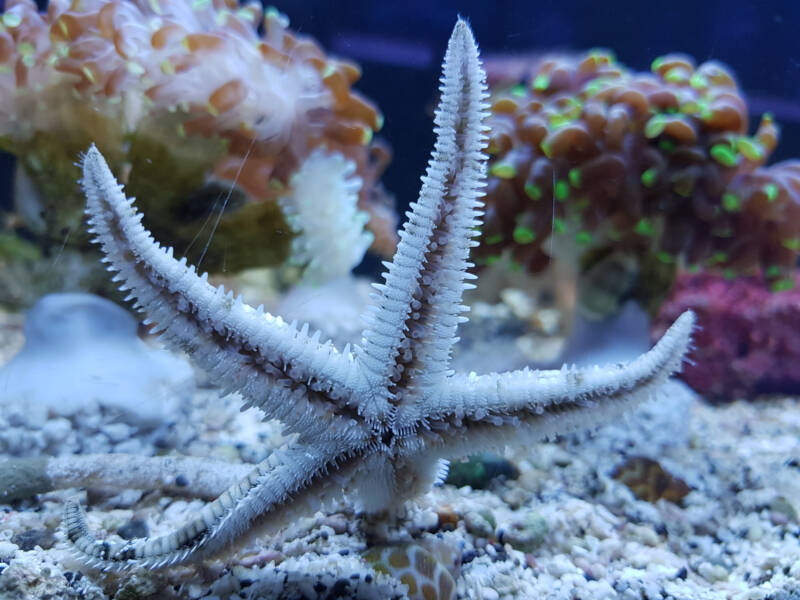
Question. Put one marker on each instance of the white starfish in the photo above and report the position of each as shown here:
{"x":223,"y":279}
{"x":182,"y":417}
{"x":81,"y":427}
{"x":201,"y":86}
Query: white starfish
{"x":374,"y":422}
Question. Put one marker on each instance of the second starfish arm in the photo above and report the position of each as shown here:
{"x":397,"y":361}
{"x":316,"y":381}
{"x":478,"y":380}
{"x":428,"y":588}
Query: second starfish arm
{"x":559,"y":400}
{"x":281,"y":369}
{"x":292,"y":482}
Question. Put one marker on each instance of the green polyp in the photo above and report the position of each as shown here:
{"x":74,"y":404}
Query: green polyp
{"x":591,"y":88}
{"x":782,"y":285}
{"x":666,"y":146}
{"x":690,"y":107}
{"x":12,"y":20}
{"x":559,"y":226}
{"x":25,"y":48}
{"x":547,"y":149}
{"x":503,"y":170}
{"x":718,"y":257}
{"x":693,"y":268}
{"x":645,"y":227}
{"x":675,"y":75}
{"x":771,"y":190}
{"x":792,"y":244}
{"x":518,"y":90}
{"x":366,"y":136}
{"x":584,"y":238}
{"x":541,"y":82}
{"x":245,"y":14}
{"x":88,"y":72}
{"x":575,"y":177}
{"x":271,"y":13}
{"x":562,"y":190}
{"x":665,"y":257}
{"x":772,"y":271}
{"x":750,"y":148}
{"x":514,"y":266}
{"x":657,"y":62}
{"x":134,"y":68}
{"x":731,"y":202}
{"x":655,"y":126}
{"x":559,"y":119}
{"x":728,"y":274}
{"x":523,"y":234}
{"x":493,"y":239}
{"x":533,"y":191}
{"x":698,"y":81}
{"x":649,"y":178}
{"x":490,"y":260}
{"x":723,"y":154}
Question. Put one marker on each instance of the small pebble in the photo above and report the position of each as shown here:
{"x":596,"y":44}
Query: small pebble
{"x":7,"y":551}
{"x":488,"y":593}
{"x":135,"y":528}
{"x":28,"y":540}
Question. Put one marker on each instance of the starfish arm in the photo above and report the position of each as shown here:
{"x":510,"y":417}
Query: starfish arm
{"x":283,"y":370}
{"x":415,"y":313}
{"x":292,"y":482}
{"x":500,"y":407}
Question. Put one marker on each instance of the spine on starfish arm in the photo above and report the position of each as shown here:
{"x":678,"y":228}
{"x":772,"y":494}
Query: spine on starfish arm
{"x":425,"y":281}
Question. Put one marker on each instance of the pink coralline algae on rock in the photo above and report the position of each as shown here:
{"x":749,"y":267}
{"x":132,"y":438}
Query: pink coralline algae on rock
{"x":748,"y":337}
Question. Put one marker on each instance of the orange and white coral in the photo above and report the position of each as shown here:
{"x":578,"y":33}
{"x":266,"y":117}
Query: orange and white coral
{"x":106,"y":69}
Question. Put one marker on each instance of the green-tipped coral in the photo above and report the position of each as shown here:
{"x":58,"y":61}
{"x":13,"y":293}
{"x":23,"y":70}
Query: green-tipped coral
{"x":658,"y":165}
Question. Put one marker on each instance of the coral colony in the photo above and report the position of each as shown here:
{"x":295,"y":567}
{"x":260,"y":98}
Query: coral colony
{"x":653,"y":163}
{"x":185,"y":98}
{"x":375,"y":422}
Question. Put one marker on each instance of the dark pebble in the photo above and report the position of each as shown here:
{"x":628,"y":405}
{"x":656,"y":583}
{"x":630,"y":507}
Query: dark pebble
{"x":135,"y":528}
{"x":344,"y":552}
{"x":181,"y":481}
{"x":468,"y":556}
{"x":28,"y":540}
{"x":339,"y":589}
{"x":682,"y":573}
{"x":479,"y":470}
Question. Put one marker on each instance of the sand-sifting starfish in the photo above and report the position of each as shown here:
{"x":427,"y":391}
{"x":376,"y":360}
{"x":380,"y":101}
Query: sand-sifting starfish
{"x":374,"y":423}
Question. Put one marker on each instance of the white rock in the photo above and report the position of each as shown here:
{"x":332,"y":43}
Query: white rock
{"x":81,"y":348}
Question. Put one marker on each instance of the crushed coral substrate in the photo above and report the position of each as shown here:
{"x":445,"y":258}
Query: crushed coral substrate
{"x":564,"y":529}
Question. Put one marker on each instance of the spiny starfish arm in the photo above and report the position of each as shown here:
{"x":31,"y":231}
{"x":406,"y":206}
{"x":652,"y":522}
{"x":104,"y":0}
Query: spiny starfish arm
{"x":551,"y":402}
{"x":281,"y":369}
{"x":293,"y":481}
{"x":415,"y":313}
